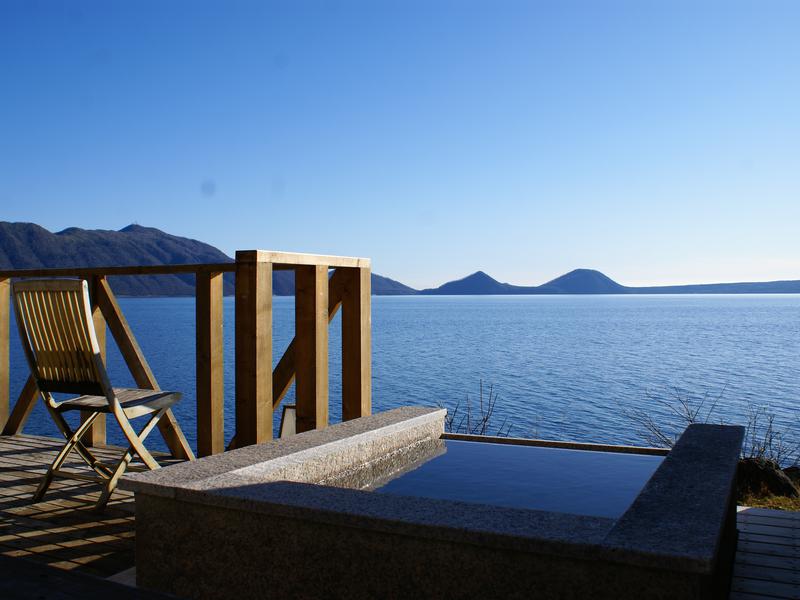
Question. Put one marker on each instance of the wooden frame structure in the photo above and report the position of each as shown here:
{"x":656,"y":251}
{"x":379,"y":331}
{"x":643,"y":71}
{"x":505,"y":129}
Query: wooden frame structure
{"x":259,"y":388}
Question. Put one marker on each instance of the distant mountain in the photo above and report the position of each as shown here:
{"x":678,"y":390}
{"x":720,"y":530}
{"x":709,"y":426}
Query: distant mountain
{"x":477,"y":283}
{"x":30,"y":246}
{"x":589,"y":281}
{"x":582,"y":281}
{"x":754,"y":287}
{"x":283,"y":285}
{"x":383,"y":286}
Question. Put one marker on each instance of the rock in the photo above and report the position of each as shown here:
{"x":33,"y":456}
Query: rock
{"x":762,"y":477}
{"x":793,"y":473}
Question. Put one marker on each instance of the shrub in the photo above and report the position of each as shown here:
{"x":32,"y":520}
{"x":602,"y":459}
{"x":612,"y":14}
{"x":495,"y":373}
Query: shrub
{"x":463,"y":419}
{"x":762,"y":440}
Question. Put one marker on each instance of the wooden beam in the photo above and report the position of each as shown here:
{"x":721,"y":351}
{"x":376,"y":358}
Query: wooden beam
{"x":209,"y":364}
{"x":297,"y":259}
{"x":281,"y":261}
{"x":87,"y":272}
{"x":5,"y":358}
{"x":311,"y":347}
{"x":137,"y":364}
{"x":22,"y":408}
{"x":356,"y":344}
{"x":123,"y":335}
{"x":96,"y":435}
{"x":253,"y":349}
{"x":283,"y":375}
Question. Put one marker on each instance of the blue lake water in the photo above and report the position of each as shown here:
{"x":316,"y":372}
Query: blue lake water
{"x":600,"y":484}
{"x":564,"y":367}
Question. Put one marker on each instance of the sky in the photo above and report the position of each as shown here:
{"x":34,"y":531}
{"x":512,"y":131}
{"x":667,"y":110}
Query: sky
{"x":658,"y":142}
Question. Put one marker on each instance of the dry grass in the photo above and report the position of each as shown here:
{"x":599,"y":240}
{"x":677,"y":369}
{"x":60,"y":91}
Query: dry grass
{"x":776,"y":502}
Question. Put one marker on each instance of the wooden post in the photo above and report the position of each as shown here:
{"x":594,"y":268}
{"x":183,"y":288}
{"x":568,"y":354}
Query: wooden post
{"x":283,"y":374}
{"x":13,"y":420}
{"x":96,"y":436}
{"x":356,"y":344}
{"x":209,"y":364}
{"x":22,"y":408}
{"x":311,"y":346}
{"x":5,"y":359}
{"x":137,"y":364}
{"x":253,"y":348}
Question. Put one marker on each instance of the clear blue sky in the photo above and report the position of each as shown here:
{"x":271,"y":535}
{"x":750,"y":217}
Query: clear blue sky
{"x":656,"y":141}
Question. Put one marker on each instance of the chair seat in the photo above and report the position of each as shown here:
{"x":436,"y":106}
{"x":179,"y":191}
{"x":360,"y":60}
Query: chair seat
{"x":135,"y":402}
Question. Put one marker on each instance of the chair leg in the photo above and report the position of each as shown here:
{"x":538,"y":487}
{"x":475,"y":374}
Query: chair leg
{"x":110,"y":485}
{"x":135,"y":440}
{"x":72,"y":441}
{"x":87,"y":456}
{"x":119,"y":471}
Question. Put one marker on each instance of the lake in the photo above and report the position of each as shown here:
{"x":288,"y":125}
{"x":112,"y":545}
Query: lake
{"x":563,"y":367}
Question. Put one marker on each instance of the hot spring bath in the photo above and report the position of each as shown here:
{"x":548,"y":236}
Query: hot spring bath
{"x":383,"y":506}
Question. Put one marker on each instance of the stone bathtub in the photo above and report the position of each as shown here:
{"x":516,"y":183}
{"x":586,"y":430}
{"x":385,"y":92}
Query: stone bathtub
{"x":294,"y":518}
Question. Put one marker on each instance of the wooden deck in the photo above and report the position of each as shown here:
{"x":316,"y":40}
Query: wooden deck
{"x":768,"y":555}
{"x":64,"y":532}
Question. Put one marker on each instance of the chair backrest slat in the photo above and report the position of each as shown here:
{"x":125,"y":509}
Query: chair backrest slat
{"x":67,"y":314}
{"x":61,"y":338}
{"x":58,"y":335}
{"x":53,"y":356}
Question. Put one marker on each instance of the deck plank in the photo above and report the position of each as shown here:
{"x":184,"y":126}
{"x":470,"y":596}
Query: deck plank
{"x":748,"y":596}
{"x":773,"y":528}
{"x":749,"y":547}
{"x":766,"y":573}
{"x":789,"y":542}
{"x":62,"y":531}
{"x":769,"y":513}
{"x":767,"y":556}
{"x":765,"y":560}
{"x":769,"y":589}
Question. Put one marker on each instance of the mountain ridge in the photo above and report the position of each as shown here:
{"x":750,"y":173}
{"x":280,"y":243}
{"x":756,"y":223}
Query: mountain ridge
{"x":593,"y":282}
{"x":31,"y":246}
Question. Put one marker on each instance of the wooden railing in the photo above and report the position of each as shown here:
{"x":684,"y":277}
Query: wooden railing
{"x":259,"y":388}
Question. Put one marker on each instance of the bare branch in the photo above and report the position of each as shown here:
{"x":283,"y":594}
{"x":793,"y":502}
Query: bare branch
{"x":479,"y":423}
{"x":762,"y":438}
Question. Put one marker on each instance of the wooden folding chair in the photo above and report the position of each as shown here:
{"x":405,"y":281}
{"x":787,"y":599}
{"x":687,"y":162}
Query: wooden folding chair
{"x":60,"y":343}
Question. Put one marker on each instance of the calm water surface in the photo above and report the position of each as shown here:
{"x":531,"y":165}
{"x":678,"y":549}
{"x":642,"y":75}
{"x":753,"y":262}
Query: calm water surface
{"x":564,"y":367}
{"x":599,"y":484}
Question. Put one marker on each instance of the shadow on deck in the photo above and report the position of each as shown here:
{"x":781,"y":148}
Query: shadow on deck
{"x":62,"y":531}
